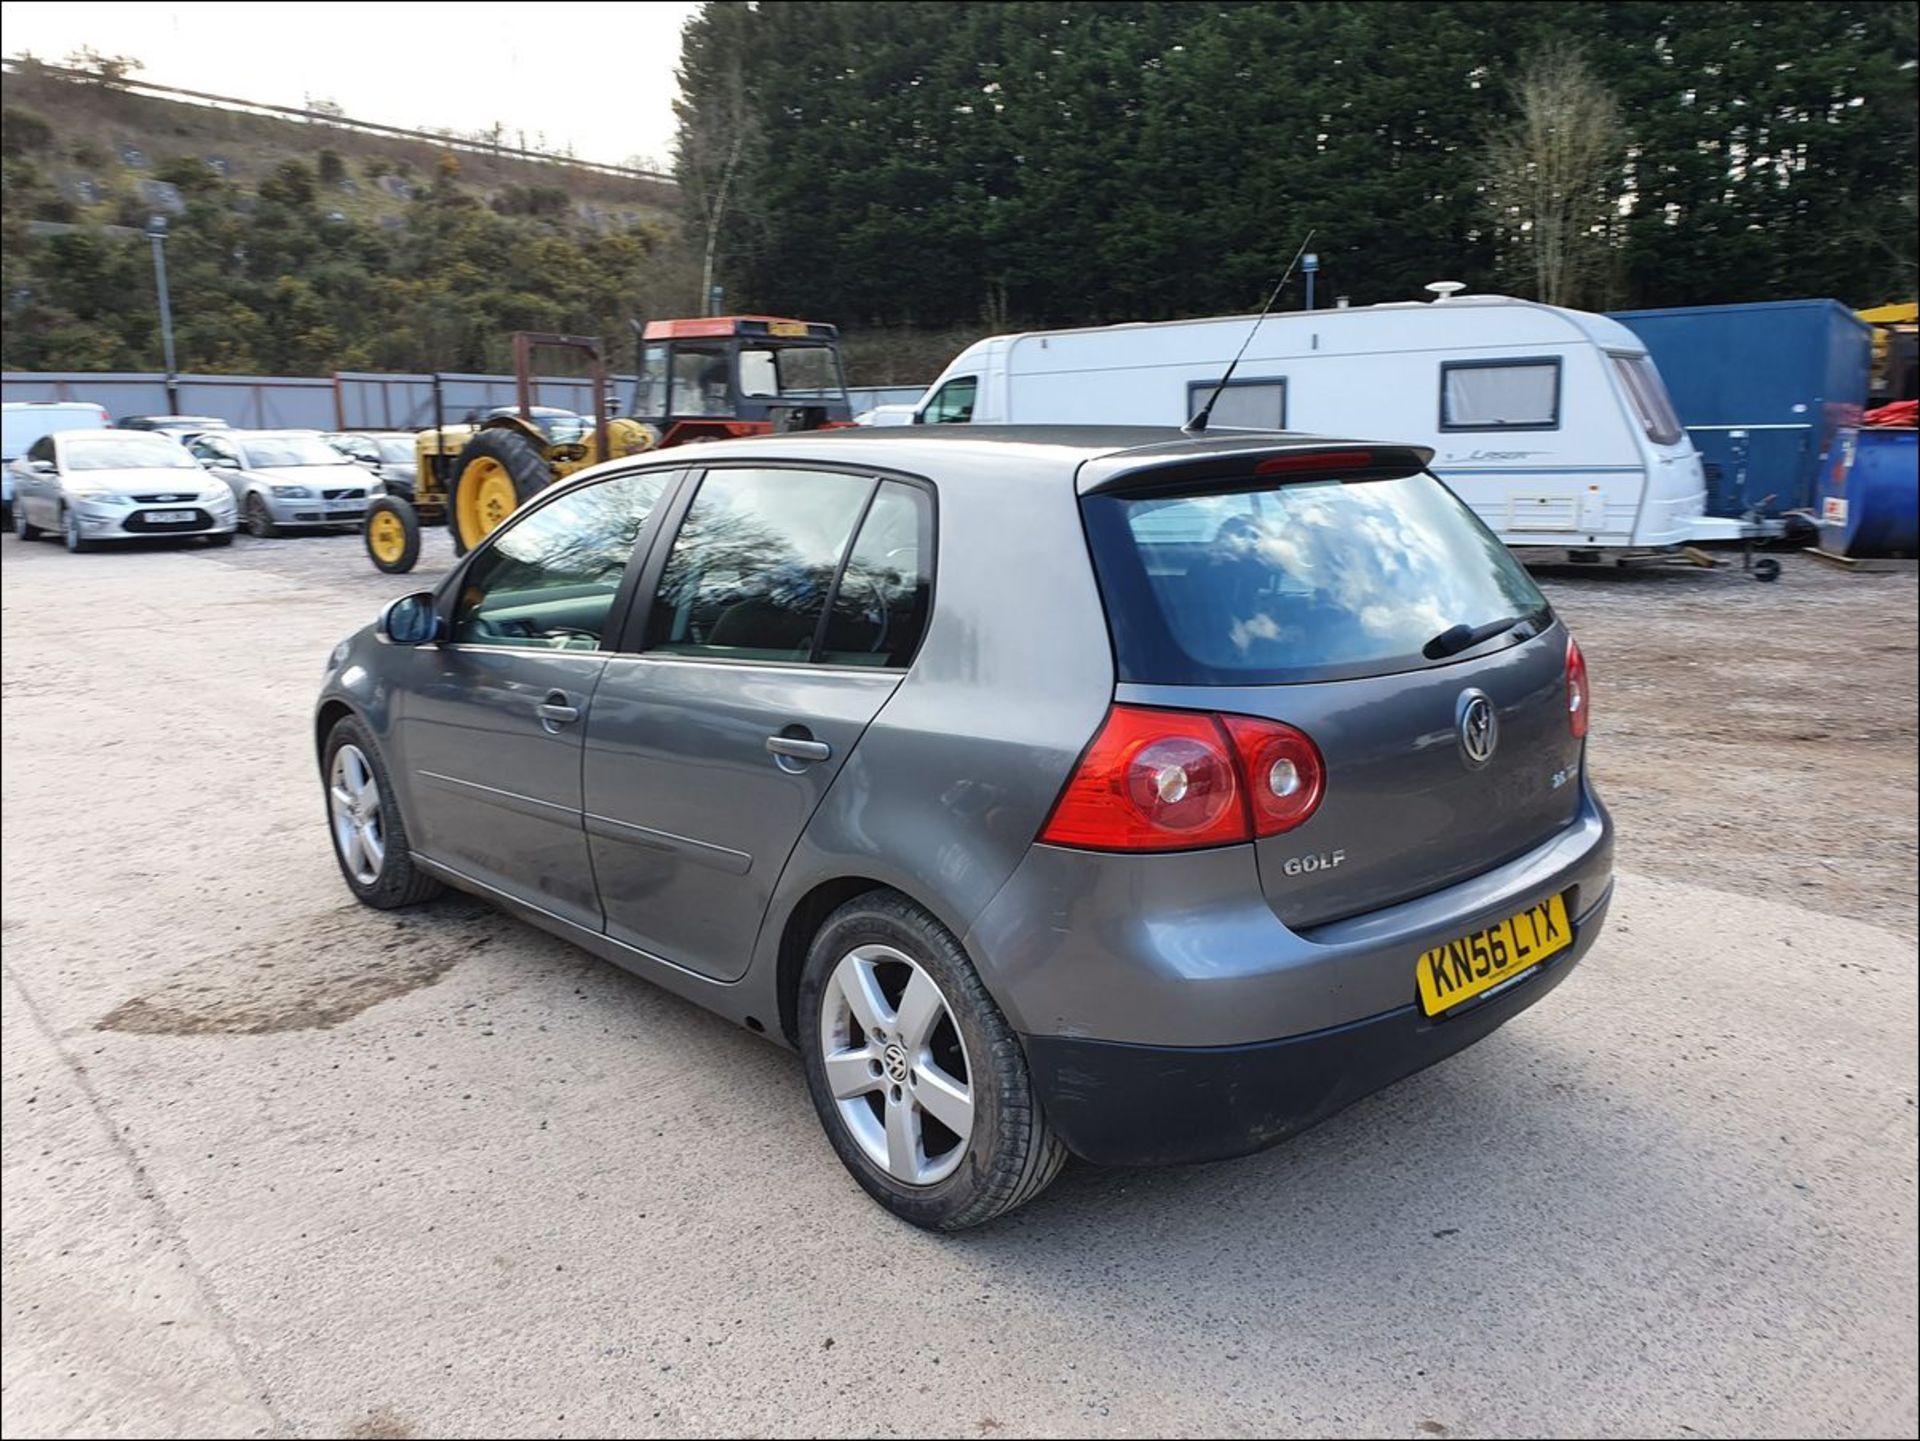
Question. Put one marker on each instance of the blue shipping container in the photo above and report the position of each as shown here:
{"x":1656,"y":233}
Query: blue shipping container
{"x":1767,"y":392}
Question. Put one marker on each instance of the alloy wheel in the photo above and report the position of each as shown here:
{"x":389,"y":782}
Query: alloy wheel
{"x":353,"y":798}
{"x":259,"y":524}
{"x":896,"y":1064}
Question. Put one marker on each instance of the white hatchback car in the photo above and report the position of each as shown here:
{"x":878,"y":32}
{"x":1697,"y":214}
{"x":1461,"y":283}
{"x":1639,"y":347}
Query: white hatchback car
{"x":101,"y":485}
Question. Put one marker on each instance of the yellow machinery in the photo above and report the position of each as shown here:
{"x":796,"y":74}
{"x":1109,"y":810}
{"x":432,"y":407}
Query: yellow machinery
{"x":471,"y":477}
{"x":710,"y":378}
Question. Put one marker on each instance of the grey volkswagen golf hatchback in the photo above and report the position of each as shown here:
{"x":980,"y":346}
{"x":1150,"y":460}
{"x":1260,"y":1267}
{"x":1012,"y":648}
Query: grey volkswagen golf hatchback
{"x":1052,"y":790}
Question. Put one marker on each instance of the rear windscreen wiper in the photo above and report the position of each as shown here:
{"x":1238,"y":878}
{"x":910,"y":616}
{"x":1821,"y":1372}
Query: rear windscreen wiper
{"x":1455,"y":639}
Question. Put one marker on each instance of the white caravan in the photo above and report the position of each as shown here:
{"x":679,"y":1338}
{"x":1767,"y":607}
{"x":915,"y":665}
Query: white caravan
{"x":1552,"y":424}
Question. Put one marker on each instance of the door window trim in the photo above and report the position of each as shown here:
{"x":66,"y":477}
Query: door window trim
{"x":633,"y":631}
{"x":1505,"y":362}
{"x":1198,"y":390}
{"x":446,"y":594}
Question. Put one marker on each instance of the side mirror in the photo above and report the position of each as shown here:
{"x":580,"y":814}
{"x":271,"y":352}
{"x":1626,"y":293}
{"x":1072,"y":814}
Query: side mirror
{"x":45,"y":467}
{"x":410,"y":620}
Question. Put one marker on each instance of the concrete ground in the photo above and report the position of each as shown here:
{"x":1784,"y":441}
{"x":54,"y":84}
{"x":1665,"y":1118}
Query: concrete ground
{"x":276,"y":1164}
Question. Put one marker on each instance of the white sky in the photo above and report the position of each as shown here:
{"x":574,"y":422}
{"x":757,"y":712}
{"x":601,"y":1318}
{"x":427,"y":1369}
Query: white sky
{"x":598,"y":75}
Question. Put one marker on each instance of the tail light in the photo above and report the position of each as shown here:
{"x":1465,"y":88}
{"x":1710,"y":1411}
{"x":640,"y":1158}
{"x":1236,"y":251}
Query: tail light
{"x":1577,"y":692}
{"x":1164,"y":780}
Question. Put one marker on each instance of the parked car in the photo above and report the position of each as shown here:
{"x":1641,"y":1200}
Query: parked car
{"x":1240,"y":777}
{"x":100,"y":485}
{"x":22,"y":422}
{"x":180,"y":427}
{"x":287,"y":477}
{"x":389,"y":454}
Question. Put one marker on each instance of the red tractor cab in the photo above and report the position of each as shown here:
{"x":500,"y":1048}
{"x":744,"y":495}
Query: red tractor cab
{"x":726,"y":375}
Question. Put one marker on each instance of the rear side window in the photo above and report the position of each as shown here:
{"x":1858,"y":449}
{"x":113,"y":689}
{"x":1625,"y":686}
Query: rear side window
{"x":880,"y":605}
{"x":1500,"y":394}
{"x":1314,"y":580}
{"x":1650,"y":400}
{"x":749,"y":574}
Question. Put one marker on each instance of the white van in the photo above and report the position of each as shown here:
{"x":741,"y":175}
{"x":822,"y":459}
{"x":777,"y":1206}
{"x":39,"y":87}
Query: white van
{"x":1552,"y":424}
{"x":22,"y":422}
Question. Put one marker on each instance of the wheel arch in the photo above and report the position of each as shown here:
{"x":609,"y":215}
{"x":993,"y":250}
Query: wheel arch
{"x":802,"y":924}
{"x":332,"y":711}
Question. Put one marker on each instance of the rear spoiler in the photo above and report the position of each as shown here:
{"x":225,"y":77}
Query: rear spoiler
{"x":1195,"y":467}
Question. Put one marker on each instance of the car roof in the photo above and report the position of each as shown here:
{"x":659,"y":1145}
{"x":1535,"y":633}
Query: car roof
{"x":107,"y":432}
{"x":271,"y":434}
{"x":178,"y":419}
{"x":1104,"y":451}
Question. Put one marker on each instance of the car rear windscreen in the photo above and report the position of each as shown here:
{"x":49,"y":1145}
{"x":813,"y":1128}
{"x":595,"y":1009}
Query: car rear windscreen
{"x":1312,"y":580}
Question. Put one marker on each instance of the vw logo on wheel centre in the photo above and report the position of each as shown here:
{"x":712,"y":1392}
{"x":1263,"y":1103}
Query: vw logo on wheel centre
{"x":1479,"y":728}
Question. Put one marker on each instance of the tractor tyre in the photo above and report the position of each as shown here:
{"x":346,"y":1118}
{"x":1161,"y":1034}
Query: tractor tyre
{"x":497,"y":471}
{"x":392,"y":535}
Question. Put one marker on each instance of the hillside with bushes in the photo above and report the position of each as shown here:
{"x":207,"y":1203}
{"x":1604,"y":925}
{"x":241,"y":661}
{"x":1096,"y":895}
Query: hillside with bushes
{"x":303,"y":248}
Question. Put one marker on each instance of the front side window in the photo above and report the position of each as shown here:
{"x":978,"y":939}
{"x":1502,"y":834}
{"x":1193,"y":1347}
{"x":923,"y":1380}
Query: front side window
{"x":1650,"y":400}
{"x":1500,"y":395}
{"x":212,"y":451}
{"x":548,"y":579}
{"x":132,"y":452}
{"x":952,"y":404}
{"x":41,"y":449}
{"x":650,"y":391}
{"x":750,"y":572}
{"x":1243,"y":405}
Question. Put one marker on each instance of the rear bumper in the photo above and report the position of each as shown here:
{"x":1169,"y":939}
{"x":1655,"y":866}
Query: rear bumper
{"x":1122,"y":1104}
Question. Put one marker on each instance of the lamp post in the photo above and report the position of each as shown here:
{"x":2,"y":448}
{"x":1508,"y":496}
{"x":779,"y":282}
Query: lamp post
{"x":157,"y":233}
{"x":1309,"y":267}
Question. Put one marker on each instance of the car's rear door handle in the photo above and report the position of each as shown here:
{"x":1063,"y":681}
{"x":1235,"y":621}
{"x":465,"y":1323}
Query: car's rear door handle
{"x":794,"y":748}
{"x":556,"y":711}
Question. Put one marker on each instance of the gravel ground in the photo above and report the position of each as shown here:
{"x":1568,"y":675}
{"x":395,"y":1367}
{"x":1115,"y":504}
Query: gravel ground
{"x":278,"y":1165}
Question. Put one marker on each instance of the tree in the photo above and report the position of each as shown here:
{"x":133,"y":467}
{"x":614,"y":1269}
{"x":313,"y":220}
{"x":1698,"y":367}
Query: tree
{"x":1553,"y":175}
{"x":109,"y":71}
{"x":719,"y":138}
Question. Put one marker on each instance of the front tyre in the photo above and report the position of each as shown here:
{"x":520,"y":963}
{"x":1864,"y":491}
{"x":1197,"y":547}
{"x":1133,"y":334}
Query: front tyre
{"x":919,"y":1081}
{"x":392,"y":535}
{"x":70,"y":532}
{"x":369,"y":837}
{"x":260,"y":522}
{"x":22,"y":527}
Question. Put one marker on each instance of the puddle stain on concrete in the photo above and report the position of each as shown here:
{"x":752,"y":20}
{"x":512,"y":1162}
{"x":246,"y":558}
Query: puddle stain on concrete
{"x":331,"y":972}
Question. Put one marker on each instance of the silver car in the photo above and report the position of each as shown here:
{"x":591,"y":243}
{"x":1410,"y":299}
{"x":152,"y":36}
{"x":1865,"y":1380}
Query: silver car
{"x":1052,"y":790}
{"x":287,"y":478}
{"x":93,"y":486}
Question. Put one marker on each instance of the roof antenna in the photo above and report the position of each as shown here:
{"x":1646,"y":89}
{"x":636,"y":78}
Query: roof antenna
{"x":1198,"y":425}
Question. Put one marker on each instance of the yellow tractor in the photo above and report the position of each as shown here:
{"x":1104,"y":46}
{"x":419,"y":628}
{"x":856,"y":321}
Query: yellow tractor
{"x":705,"y":379}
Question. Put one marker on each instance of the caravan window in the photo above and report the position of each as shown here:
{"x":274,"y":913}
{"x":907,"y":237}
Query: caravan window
{"x":1252,"y":404}
{"x":1650,"y":400}
{"x":1500,"y":394}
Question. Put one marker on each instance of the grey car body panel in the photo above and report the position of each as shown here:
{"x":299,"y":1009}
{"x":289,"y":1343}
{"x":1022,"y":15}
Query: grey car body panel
{"x":690,"y":820}
{"x":260,"y":481}
{"x":1182,"y":950}
{"x":495,"y":793}
{"x":943,"y":793}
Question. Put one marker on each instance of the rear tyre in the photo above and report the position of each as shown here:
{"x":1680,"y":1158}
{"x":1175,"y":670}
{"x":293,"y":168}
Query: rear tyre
{"x":369,"y":836}
{"x":70,"y":532}
{"x":497,"y":471}
{"x":260,"y":523}
{"x":920,"y":1083}
{"x":392,"y":535}
{"x":22,"y":527}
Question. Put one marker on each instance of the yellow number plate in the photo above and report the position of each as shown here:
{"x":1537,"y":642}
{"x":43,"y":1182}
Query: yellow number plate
{"x":787,"y":327}
{"x":1462,"y":969}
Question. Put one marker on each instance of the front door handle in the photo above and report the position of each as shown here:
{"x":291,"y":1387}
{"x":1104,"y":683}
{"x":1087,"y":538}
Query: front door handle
{"x":795,"y":748}
{"x":556,"y":711}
